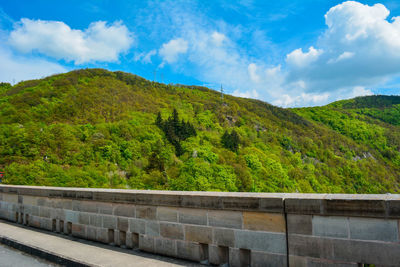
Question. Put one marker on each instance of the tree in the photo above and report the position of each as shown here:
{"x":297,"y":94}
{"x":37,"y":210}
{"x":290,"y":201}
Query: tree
{"x":231,"y":140}
{"x":175,"y":130}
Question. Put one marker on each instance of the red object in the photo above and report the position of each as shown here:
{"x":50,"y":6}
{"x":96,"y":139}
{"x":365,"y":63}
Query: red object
{"x":1,"y":174}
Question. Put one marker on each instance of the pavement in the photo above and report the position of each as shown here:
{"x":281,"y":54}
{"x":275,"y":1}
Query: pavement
{"x":65,"y":250}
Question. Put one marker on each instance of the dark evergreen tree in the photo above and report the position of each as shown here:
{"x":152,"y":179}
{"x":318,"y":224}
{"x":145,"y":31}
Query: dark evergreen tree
{"x":159,"y":121}
{"x":231,"y":140}
{"x":176,"y":130}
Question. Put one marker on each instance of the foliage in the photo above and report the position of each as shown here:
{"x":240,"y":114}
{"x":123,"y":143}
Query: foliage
{"x":230,"y":140}
{"x":95,"y":128}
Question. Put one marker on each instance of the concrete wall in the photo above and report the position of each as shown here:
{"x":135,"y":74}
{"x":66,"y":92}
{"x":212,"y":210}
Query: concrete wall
{"x":242,"y":229}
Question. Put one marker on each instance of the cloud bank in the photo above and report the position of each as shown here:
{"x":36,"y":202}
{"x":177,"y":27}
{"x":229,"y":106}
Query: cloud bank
{"x":358,"y":50}
{"x":99,"y":42}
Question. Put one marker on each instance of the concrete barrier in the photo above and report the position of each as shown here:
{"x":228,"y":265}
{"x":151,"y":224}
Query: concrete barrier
{"x":239,"y":229}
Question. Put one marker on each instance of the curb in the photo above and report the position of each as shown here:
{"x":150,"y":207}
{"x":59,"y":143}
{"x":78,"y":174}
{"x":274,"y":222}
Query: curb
{"x":41,"y":253}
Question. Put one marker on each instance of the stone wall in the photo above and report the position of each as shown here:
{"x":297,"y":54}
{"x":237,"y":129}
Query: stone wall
{"x":241,"y":229}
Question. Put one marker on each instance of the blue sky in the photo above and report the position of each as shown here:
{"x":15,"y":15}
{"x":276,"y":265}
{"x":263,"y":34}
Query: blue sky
{"x":289,"y":53}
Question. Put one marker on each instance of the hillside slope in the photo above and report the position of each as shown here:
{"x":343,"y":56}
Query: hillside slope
{"x":96,"y":128}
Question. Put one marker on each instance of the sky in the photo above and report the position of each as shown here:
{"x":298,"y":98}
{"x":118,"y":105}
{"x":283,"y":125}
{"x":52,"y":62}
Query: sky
{"x":289,"y":53}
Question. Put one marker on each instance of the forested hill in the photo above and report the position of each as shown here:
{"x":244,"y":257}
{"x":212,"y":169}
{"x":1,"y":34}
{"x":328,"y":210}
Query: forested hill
{"x":96,"y":128}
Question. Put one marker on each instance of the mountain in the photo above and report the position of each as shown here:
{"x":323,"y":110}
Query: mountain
{"x":96,"y":128}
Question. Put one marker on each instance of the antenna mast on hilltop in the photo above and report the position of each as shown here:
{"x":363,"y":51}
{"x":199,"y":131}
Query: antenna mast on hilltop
{"x":155,"y":75}
{"x":222,"y":93}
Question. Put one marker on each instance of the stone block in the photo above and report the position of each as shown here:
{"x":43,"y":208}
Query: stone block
{"x":393,"y":208}
{"x":167,"y":214}
{"x":146,"y":243}
{"x":29,"y":200}
{"x":125,"y":210}
{"x":95,"y":220}
{"x":79,"y":230}
{"x":303,"y":206}
{"x":91,"y":233}
{"x":46,"y":224}
{"x":57,"y":213}
{"x":34,"y":221}
{"x":223,"y":237}
{"x":146,"y":212}
{"x":171,"y":230}
{"x":271,"y":204}
{"x":240,"y":203}
{"x":43,"y":201}
{"x":197,"y":233}
{"x":311,"y":246}
{"x":109,"y":221}
{"x":299,"y":224}
{"x":84,"y":206}
{"x":102,"y":235}
{"x":193,"y":216}
{"x":84,"y":218}
{"x":148,"y":198}
{"x":122,"y":224}
{"x":262,"y":221}
{"x":374,"y":229}
{"x":35,"y":210}
{"x":366,"y":252}
{"x":120,"y":238}
{"x":129,"y":241}
{"x":137,"y":226}
{"x":297,"y":261}
{"x":330,"y":226}
{"x":10,"y":198}
{"x":192,"y":251}
{"x":44,"y":212}
{"x":105,"y":208}
{"x":66,"y":204}
{"x":263,"y":259}
{"x":355,"y":207}
{"x":228,"y":219}
{"x":152,"y":228}
{"x":166,"y":247}
{"x":218,"y":255}
{"x":262,"y":241}
{"x":205,"y":202}
{"x":71,"y":216}
{"x":239,"y":257}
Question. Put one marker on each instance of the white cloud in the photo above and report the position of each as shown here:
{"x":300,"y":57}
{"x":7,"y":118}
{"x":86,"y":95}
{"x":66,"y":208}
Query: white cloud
{"x":145,"y":57}
{"x":287,"y":100}
{"x":252,"y":69}
{"x":171,"y":50}
{"x":246,"y":94}
{"x":99,"y":42}
{"x":358,"y":50}
{"x":361,"y":49}
{"x":16,"y":68}
{"x":298,"y":58}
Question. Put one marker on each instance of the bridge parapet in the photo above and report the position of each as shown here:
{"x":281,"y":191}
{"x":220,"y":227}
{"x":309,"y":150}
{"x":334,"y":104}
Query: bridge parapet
{"x":242,"y":229}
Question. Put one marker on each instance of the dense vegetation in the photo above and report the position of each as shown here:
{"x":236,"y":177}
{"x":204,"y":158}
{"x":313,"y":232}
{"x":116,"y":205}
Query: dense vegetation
{"x":96,"y":128}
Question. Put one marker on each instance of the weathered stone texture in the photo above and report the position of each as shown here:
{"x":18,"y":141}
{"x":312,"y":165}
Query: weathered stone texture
{"x":299,"y":224}
{"x":193,"y":216}
{"x":259,"y":221}
{"x":197,"y":233}
{"x":330,"y":226}
{"x":262,"y":241}
{"x":374,"y":229}
{"x":229,"y":219}
{"x":172,"y":230}
{"x":167,"y":214}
